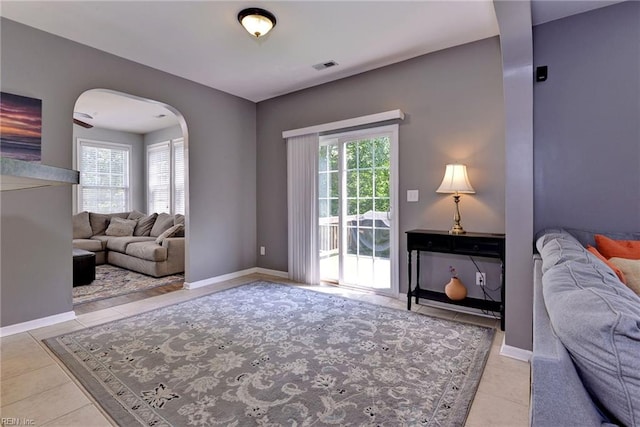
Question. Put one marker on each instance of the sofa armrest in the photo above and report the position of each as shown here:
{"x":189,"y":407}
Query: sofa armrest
{"x":558,"y":397}
{"x":175,"y":252}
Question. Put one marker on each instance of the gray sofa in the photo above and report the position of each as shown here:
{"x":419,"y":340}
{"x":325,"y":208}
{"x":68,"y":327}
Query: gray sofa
{"x":586,"y":336}
{"x":154,"y":246}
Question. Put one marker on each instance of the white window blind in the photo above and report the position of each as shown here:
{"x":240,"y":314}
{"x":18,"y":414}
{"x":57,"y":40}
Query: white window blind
{"x":166,"y":177}
{"x":178,"y":177}
{"x":104,"y":177}
{"x":159,"y":178}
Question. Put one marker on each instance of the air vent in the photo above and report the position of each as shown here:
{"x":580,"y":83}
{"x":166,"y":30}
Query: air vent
{"x":325,"y":65}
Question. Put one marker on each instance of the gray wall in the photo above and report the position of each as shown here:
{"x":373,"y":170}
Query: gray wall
{"x":587,"y":120}
{"x":454,"y":106}
{"x":137,"y":179}
{"x":162,"y":135}
{"x":36,"y":224}
{"x":514,"y":19}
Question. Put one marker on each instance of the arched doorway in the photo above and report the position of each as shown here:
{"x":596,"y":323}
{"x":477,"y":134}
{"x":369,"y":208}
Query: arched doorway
{"x":132,"y":154}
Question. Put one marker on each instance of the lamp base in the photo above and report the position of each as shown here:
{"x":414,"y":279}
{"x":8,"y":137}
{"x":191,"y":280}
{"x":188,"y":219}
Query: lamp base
{"x":457,"y":230}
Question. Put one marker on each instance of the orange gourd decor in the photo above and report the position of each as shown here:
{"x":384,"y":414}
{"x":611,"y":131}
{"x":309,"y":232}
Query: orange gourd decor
{"x":455,"y":290}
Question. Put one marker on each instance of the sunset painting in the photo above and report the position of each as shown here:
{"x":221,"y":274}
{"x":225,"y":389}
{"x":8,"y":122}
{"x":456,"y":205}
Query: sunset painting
{"x":20,"y":127}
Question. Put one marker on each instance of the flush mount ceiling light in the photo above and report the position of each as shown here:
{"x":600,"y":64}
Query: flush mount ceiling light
{"x":257,"y":22}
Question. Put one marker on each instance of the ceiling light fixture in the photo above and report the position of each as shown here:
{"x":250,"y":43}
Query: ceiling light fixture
{"x":257,"y":22}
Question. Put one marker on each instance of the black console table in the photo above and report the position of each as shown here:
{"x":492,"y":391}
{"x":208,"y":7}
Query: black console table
{"x":473,"y":244}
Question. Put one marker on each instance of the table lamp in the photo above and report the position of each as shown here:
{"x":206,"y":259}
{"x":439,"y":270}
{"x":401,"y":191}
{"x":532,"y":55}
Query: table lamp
{"x":456,"y":181}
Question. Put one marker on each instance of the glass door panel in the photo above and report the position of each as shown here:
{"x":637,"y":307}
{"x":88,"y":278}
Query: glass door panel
{"x":355,"y":240}
{"x":328,"y":212}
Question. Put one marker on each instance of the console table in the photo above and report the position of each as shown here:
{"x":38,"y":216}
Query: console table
{"x":474,"y":244}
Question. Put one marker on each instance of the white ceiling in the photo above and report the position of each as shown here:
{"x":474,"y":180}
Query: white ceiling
{"x":116,"y":111}
{"x":202,"y":41}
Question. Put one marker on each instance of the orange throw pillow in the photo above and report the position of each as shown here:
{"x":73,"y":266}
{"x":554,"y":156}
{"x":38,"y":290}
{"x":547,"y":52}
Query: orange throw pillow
{"x":609,"y":248}
{"x":615,"y":268}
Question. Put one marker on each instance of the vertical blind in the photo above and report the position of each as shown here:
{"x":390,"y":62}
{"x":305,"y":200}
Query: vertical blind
{"x":302,"y":202}
{"x":104,"y":177}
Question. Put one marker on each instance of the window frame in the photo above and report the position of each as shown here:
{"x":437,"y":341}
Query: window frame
{"x":80,"y":143}
{"x":170,"y":145}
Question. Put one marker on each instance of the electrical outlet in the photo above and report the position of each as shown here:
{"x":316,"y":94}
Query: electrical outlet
{"x":262,"y":250}
{"x":481,"y":279}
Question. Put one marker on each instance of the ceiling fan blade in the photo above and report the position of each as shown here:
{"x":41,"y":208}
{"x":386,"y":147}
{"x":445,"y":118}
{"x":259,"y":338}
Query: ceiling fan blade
{"x":83,"y":124}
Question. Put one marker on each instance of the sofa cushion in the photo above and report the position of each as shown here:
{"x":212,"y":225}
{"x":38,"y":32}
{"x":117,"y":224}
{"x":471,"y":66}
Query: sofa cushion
{"x":147,"y":250}
{"x":81,"y":226}
{"x":631,"y":270}
{"x":609,"y":264}
{"x":179,"y":219}
{"x":169,"y":232}
{"x":102,"y":239}
{"x":163,"y":222}
{"x":119,"y":244}
{"x":87,"y":245}
{"x":136,"y":215}
{"x":598,"y":320}
{"x":145,"y":224}
{"x":100,"y":222}
{"x":119,"y":227}
{"x":610,"y":248}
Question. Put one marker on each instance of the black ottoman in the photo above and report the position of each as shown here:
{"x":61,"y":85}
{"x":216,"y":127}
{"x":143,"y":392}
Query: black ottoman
{"x":84,"y":267}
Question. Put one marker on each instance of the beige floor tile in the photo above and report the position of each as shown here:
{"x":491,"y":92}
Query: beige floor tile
{"x":500,"y":380}
{"x":48,"y":405}
{"x":435,"y":311}
{"x":99,"y":321}
{"x":99,"y":317}
{"x":492,"y":411}
{"x":16,"y":345}
{"x":87,"y":416}
{"x":30,"y":383}
{"x":55,"y":330}
{"x":21,"y":356}
{"x":477,"y":320}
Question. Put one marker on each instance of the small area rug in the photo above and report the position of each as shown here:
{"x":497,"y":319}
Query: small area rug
{"x":112,"y":281}
{"x":270,"y":354}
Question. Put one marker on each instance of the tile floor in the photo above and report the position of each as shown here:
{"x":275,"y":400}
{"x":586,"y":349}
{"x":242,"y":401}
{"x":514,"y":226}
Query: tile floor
{"x":37,"y":390}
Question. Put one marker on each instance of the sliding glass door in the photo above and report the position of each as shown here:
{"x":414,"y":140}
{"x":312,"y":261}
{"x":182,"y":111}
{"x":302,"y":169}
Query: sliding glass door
{"x":357,"y":231}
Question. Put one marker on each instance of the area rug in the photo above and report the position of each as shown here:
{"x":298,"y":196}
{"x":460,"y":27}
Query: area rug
{"x":112,"y":281}
{"x":270,"y":354}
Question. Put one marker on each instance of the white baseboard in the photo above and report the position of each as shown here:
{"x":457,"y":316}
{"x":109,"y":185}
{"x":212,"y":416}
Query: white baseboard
{"x":234,"y":275}
{"x":275,"y":273}
{"x":37,"y":323}
{"x":218,"y":279}
{"x":515,"y":352}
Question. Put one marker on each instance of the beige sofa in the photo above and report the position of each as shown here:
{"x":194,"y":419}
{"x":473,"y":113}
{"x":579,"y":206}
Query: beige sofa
{"x":149,"y":244}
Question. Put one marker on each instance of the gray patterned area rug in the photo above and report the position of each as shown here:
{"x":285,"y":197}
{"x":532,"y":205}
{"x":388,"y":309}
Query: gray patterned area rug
{"x":112,"y":281}
{"x":267,"y":354}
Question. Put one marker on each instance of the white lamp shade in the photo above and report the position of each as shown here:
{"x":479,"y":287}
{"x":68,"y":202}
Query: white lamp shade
{"x":455,"y":180}
{"x":257,"y":25}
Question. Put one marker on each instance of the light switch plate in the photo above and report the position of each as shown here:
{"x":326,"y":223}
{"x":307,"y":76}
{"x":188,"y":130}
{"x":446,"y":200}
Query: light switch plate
{"x":413,"y":195}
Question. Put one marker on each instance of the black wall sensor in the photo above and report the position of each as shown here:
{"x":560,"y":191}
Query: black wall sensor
{"x":541,"y":73}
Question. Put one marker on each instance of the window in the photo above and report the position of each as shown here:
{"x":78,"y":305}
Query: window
{"x":104,"y":176}
{"x":165,"y":177}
